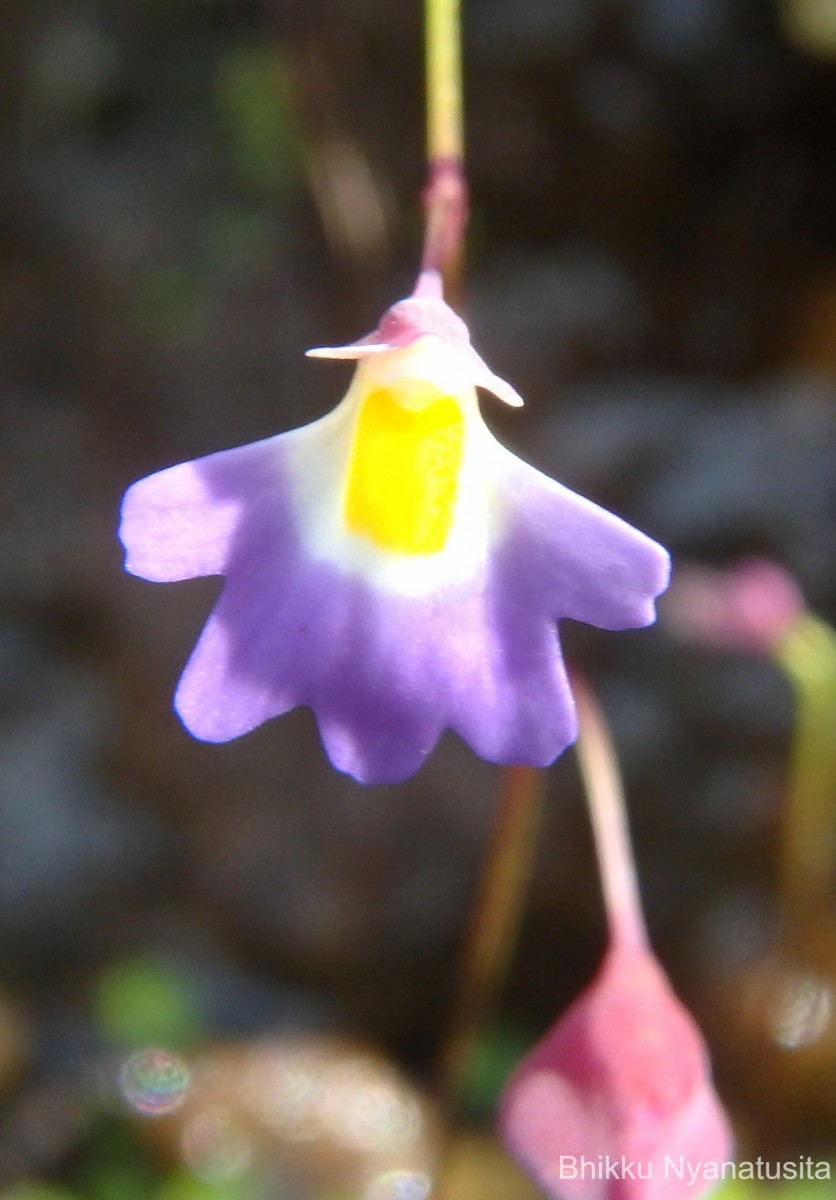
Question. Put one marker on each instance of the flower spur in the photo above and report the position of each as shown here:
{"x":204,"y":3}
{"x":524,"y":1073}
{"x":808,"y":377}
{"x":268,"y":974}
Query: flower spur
{"x":391,"y":565}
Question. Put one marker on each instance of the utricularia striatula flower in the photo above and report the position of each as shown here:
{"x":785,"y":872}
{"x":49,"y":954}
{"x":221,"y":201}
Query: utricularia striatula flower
{"x":391,"y":565}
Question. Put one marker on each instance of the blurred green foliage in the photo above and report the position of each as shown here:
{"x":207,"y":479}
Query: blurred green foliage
{"x":147,"y":1002}
{"x":499,"y":1050}
{"x":183,"y":1186}
{"x":38,"y":1191}
{"x":811,"y":24}
{"x":254,"y":94}
{"x":804,"y":1189}
{"x":114,"y":1165}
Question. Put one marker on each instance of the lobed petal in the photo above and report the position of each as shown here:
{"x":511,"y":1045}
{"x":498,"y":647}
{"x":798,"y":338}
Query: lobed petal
{"x":575,"y":559}
{"x":179,"y":523}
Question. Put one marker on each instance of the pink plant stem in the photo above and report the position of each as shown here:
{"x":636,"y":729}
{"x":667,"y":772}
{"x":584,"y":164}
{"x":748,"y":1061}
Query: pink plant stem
{"x":445,"y":192}
{"x":605,"y":798}
{"x":445,"y":215}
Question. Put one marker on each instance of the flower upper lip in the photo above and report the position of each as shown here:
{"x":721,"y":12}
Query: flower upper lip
{"x":417,"y":317}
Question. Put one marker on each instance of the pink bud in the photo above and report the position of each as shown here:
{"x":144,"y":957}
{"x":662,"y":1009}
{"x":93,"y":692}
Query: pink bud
{"x":748,"y":607}
{"x":616,"y":1102}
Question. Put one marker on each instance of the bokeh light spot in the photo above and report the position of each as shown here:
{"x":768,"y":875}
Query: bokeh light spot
{"x":400,"y":1185}
{"x":154,"y":1082}
{"x":802,"y":1011}
{"x":364,"y":1108}
{"x":215,"y":1148}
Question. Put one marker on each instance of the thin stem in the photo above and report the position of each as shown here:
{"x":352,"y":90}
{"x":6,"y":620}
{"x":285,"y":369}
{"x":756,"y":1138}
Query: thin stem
{"x":445,"y":193}
{"x":445,"y":136}
{"x":605,"y":797}
{"x":807,"y":655}
{"x":495,"y":919}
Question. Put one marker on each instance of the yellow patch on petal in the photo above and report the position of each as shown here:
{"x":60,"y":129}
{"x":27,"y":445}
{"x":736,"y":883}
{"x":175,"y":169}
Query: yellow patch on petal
{"x":404,"y":471}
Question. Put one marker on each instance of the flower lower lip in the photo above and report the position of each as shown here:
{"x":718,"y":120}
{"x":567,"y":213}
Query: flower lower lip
{"x":383,"y":672}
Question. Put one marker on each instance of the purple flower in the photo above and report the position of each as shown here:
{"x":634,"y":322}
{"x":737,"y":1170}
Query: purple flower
{"x":391,"y":565}
{"x":616,"y":1102}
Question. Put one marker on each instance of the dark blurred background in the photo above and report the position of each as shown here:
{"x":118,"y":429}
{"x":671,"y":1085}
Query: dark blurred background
{"x":192,"y":192}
